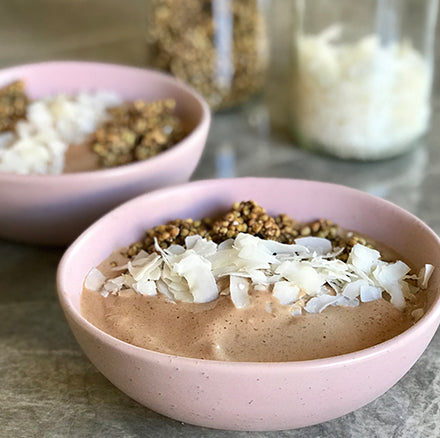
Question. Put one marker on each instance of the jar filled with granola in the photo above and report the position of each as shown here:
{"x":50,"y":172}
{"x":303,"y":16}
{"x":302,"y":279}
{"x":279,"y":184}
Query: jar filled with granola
{"x":362,"y":75}
{"x":219,"y":47}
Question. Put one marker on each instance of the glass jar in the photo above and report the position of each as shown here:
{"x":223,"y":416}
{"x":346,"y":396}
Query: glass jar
{"x":362,"y":75}
{"x":217,"y":46}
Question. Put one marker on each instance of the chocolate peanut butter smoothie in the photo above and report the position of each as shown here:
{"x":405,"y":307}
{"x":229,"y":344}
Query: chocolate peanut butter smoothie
{"x":219,"y":331}
{"x":81,"y":158}
{"x":251,"y":319}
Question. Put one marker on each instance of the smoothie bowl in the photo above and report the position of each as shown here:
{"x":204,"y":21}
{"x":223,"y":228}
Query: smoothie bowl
{"x":240,"y":367}
{"x":79,"y":138}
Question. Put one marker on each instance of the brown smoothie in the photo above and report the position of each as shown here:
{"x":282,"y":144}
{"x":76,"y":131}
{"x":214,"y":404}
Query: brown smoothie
{"x":81,"y":158}
{"x":219,"y":331}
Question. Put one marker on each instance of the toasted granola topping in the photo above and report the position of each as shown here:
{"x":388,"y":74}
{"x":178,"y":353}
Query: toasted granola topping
{"x":245,"y":217}
{"x":248,"y":217}
{"x":172,"y":233}
{"x":13,"y":103}
{"x":136,"y":131}
{"x":288,"y":228}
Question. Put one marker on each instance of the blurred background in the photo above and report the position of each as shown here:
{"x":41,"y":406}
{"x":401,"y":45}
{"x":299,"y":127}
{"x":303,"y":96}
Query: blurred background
{"x":105,"y":30}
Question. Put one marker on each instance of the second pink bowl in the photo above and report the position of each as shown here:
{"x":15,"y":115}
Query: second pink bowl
{"x":54,"y":209}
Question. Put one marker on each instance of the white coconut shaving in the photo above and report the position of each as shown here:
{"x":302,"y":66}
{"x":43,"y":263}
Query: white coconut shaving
{"x":146,"y":288}
{"x":40,"y":142}
{"x":424,"y":276}
{"x":320,"y":303}
{"x":286,"y":292}
{"x":196,"y":270}
{"x":95,"y":280}
{"x":317,"y":245}
{"x":306,"y":275}
{"x":145,"y":266}
{"x":239,"y":288}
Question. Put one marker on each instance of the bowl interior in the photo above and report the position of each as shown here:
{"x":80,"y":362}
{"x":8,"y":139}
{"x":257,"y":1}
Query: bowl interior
{"x":303,"y":200}
{"x":47,"y":78}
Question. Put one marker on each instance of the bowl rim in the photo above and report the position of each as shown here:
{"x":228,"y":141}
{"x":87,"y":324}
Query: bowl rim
{"x":431,"y":317}
{"x":117,"y":171}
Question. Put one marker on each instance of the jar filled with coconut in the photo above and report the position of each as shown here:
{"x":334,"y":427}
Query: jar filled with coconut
{"x":361,"y":75}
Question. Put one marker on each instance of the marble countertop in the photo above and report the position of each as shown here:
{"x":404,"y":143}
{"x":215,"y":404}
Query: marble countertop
{"x":47,"y":386}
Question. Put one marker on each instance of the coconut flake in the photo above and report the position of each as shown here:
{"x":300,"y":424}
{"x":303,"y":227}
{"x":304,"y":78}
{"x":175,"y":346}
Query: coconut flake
{"x":223,"y":262}
{"x":145,"y":287}
{"x":164,"y":290}
{"x":347,"y":302}
{"x":417,"y":314}
{"x":200,"y":245}
{"x":353,"y":289}
{"x":363,"y":258}
{"x":95,"y":280}
{"x":252,"y":253}
{"x":114,"y":285}
{"x":226,"y":244}
{"x":286,"y":292}
{"x":317,"y":245}
{"x":251,"y":248}
{"x":284,"y":249}
{"x":370,"y":293}
{"x":145,"y":266}
{"x":331,"y":269}
{"x":173,"y":250}
{"x":197,"y":272}
{"x":320,"y":303}
{"x":246,"y":256}
{"x":255,"y":275}
{"x":239,"y":288}
{"x":303,"y":275}
{"x":424,"y":276}
{"x":389,"y":276}
{"x":177,"y":286}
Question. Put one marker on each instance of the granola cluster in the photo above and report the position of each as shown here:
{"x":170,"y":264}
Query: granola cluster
{"x":13,"y":103}
{"x":172,"y":233}
{"x":247,"y":217}
{"x":136,"y":131}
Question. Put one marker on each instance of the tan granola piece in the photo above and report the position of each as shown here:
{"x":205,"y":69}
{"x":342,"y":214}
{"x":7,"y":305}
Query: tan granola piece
{"x":13,"y":104}
{"x":136,"y":131}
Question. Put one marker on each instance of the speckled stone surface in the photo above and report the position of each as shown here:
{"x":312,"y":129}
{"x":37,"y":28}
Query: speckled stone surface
{"x":48,"y":388}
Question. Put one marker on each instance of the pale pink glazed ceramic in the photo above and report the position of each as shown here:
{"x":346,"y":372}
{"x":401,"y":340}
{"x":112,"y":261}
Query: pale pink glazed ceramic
{"x":252,"y":396}
{"x":54,"y":209}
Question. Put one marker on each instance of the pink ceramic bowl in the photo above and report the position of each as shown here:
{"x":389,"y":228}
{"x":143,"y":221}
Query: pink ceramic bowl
{"x":252,"y":396}
{"x":54,"y":209}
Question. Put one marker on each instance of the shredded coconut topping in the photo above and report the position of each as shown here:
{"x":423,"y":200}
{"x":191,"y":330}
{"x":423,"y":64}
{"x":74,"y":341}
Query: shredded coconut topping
{"x":40,"y":141}
{"x":305,"y":275}
{"x":363,"y":99}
